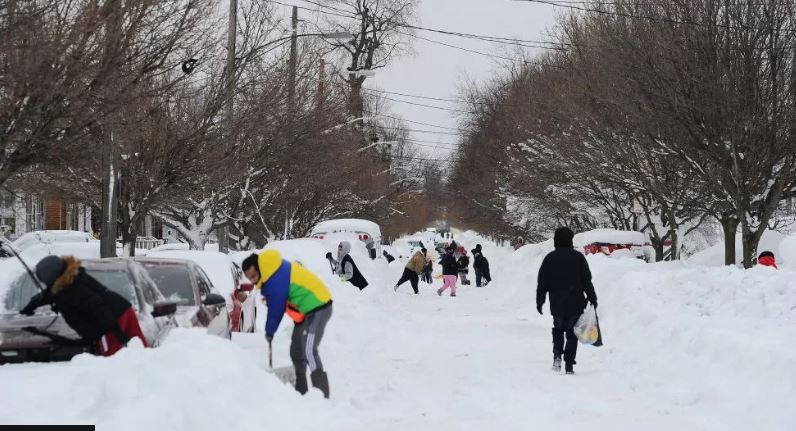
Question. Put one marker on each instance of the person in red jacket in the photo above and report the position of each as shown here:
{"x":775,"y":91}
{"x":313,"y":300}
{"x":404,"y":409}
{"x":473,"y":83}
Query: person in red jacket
{"x":767,"y":258}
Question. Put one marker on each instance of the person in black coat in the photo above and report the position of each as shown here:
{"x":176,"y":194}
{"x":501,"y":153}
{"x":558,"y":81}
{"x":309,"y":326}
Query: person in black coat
{"x":464,"y":266}
{"x":345,"y":267}
{"x":97,"y":314}
{"x":566,"y":278}
{"x":481,"y":267}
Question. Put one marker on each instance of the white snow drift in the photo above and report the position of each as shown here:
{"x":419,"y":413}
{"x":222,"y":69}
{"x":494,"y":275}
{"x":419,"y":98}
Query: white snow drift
{"x":687,"y":347}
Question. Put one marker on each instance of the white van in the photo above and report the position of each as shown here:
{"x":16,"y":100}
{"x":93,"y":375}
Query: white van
{"x":351,"y":229}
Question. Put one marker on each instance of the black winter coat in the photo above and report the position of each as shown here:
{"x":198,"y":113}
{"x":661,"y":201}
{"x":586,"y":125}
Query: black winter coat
{"x":464,"y":264}
{"x":358,"y":279}
{"x":87,"y":306}
{"x":449,"y":266}
{"x":480,"y":263}
{"x":565,"y":276}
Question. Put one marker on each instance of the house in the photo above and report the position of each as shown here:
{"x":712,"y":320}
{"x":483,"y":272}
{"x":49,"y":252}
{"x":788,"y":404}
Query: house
{"x":24,"y":212}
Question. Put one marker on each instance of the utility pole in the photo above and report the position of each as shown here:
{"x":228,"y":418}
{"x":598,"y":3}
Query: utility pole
{"x":229,"y":110}
{"x":110,"y":182}
{"x":321,"y":86}
{"x":292,"y":66}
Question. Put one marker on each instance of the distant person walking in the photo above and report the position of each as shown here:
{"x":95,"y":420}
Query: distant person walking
{"x":566,"y":278}
{"x":450,"y":271}
{"x":428,"y":270}
{"x":412,"y":271}
{"x":481,"y":267}
{"x":345,"y":267}
{"x":463,"y":263}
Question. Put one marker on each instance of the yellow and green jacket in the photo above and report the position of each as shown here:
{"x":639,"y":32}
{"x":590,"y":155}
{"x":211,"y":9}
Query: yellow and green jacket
{"x":288,"y":288}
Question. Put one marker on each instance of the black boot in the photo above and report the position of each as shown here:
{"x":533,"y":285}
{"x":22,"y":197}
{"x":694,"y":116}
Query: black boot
{"x":301,"y":380}
{"x":321,"y":381}
{"x":569,"y":368}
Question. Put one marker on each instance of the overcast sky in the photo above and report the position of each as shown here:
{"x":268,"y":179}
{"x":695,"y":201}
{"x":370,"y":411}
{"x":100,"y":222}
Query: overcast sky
{"x":438,"y":71}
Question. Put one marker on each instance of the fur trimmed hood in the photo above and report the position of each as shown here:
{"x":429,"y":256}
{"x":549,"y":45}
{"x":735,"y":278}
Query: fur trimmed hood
{"x":71,"y":271}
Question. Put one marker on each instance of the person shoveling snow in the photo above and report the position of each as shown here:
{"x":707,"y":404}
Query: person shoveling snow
{"x":566,"y":277}
{"x":97,"y":314}
{"x":345,"y":267}
{"x":290,"y":288}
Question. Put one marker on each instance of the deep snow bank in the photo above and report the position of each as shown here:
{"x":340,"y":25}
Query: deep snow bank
{"x":687,"y":347}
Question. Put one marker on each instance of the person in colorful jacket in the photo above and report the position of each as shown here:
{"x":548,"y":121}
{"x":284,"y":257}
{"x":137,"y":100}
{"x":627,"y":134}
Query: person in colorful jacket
{"x":289,"y":288}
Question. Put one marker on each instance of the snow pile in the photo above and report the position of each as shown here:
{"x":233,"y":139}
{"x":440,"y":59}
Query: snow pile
{"x":687,"y":347}
{"x":609,"y":236}
{"x":714,"y":256}
{"x":217,"y":386}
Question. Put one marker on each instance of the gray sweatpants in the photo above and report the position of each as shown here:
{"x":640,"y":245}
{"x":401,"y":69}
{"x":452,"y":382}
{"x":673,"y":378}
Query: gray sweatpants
{"x":306,"y":338}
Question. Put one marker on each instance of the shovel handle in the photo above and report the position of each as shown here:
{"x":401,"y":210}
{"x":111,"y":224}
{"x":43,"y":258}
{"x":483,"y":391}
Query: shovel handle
{"x":270,"y":356}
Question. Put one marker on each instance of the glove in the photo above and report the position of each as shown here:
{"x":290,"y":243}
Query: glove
{"x":329,"y":255}
{"x":539,"y":308}
{"x":269,"y":338}
{"x":594,"y":304}
{"x":343,"y":279}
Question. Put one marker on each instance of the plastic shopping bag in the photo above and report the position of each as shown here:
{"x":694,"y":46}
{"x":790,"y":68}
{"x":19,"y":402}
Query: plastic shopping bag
{"x":587,"y":329}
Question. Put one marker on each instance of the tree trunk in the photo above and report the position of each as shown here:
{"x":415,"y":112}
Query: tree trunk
{"x":750,"y":240}
{"x":729,"y":226}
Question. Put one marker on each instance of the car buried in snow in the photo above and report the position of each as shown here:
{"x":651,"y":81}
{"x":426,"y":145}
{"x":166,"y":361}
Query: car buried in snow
{"x":226,"y":276}
{"x":45,"y":336}
{"x":351,"y":230}
{"x":199,"y":304}
{"x":611,"y":241}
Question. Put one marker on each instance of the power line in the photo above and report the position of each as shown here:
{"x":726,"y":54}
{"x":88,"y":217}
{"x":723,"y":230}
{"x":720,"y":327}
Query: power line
{"x":415,"y":122}
{"x":423,"y":105}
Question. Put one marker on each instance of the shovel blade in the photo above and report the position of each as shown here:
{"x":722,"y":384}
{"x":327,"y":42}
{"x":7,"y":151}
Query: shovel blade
{"x":286,"y":374}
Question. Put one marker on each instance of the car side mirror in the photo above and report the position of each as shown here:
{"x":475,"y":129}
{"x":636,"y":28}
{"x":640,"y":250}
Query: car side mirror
{"x":213,"y":299}
{"x":161,"y":309}
{"x":246,"y":287}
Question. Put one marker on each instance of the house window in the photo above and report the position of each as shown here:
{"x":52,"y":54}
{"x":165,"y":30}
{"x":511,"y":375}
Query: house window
{"x":8,"y":225}
{"x":6,"y":201}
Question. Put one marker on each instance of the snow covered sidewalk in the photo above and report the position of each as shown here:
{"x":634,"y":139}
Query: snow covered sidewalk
{"x":686,"y":348}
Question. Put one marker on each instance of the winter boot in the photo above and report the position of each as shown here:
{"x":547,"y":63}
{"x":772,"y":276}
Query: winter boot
{"x":396,"y":288}
{"x":453,"y":295}
{"x":321,"y":381}
{"x":557,"y":364}
{"x":568,"y":368}
{"x":439,"y":292}
{"x":301,"y":381}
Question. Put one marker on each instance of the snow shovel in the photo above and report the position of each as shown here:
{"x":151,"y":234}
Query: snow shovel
{"x":285,"y":374}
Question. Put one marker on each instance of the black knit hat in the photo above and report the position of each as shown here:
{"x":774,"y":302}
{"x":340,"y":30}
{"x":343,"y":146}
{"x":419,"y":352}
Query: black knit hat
{"x":563,"y":237}
{"x":49,"y":269}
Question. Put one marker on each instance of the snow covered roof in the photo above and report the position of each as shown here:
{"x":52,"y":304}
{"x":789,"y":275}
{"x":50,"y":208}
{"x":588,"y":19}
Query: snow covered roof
{"x":347,"y":225}
{"x":609,"y":236}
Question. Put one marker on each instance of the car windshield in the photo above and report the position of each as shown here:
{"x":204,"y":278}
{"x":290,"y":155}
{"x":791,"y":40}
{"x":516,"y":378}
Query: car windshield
{"x":174,"y":282}
{"x":24,"y":288}
{"x":117,"y":280}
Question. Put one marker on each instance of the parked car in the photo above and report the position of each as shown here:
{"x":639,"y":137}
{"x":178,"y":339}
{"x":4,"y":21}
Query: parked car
{"x":226,"y":276}
{"x":31,"y":239}
{"x":46,"y":337}
{"x":609,"y":241}
{"x":199,"y":303}
{"x":351,"y":229}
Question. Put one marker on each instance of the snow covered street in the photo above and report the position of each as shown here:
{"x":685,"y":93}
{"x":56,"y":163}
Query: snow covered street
{"x":686,"y":347}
